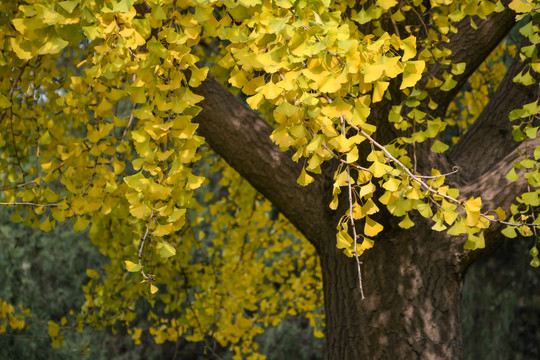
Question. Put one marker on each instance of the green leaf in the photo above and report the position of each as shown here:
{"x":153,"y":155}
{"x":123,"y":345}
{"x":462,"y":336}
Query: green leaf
{"x":167,"y":250}
{"x":439,"y":226}
{"x":424,"y":210}
{"x":458,"y":68}
{"x":386,"y":4}
{"x":509,"y":232}
{"x":131,"y":266}
{"x":92,"y":32}
{"x":531,"y":198}
{"x":531,"y":132}
{"x":449,"y":84}
{"x":53,"y":46}
{"x":5,"y":103}
{"x":122,"y":5}
{"x":379,"y":169}
{"x":69,"y":5}
{"x":406,"y":223}
{"x":362,"y":17}
{"x":286,"y":109}
{"x":537,"y":153}
{"x":512,"y":175}
{"x":137,"y":181}
{"x":439,"y":147}
{"x":475,"y":242}
{"x":458,"y":228}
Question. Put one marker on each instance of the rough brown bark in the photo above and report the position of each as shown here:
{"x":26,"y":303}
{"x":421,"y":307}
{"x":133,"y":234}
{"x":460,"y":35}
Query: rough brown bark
{"x":490,"y":138}
{"x":412,"y":306}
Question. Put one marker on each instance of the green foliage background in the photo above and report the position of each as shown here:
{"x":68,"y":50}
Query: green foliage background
{"x":44,"y":272}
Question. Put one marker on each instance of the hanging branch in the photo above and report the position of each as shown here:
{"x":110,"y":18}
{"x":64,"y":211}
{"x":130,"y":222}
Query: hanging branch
{"x":13,"y":85}
{"x":428,"y":188}
{"x":355,"y":236}
{"x":141,"y":248}
{"x":27,"y":204}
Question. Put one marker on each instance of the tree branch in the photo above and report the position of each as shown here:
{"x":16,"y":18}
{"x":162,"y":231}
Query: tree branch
{"x":471,"y":46}
{"x":490,"y":138}
{"x":495,"y":191}
{"x":243,"y":140}
{"x":468,"y":45}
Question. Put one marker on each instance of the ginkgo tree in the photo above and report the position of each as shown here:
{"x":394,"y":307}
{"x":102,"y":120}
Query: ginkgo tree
{"x":129,"y":118}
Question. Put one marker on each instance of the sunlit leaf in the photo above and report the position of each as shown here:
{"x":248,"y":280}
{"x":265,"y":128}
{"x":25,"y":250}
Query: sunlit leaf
{"x":131,"y":266}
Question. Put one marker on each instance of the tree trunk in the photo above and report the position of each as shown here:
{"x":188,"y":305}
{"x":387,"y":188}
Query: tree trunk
{"x":413,"y":287}
{"x":412,"y":278}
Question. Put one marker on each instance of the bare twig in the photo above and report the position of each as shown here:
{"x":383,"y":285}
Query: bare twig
{"x":18,"y":185}
{"x":417,"y":179}
{"x":143,"y":240}
{"x":354,"y":233}
{"x":455,"y":169}
{"x":343,"y":161}
{"x":131,"y":116}
{"x":420,"y":18}
{"x":13,"y":85}
{"x":27,"y":204}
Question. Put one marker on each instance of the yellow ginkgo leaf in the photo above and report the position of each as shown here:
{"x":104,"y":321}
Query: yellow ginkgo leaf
{"x":167,"y":250}
{"x":344,"y":240}
{"x":132,"y":267}
{"x":372,"y":227}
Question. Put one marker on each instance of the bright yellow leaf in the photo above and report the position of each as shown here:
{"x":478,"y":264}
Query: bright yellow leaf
{"x":131,"y":266}
{"x":372,"y":228}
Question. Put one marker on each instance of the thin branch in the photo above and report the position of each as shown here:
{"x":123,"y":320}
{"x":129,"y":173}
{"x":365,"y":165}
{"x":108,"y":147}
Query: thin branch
{"x":91,"y":179}
{"x":27,"y":203}
{"x":354,"y":234}
{"x":455,"y":169}
{"x":13,"y":85}
{"x":18,"y":185}
{"x":344,"y":161}
{"x":131,"y":115}
{"x":141,"y":248}
{"x":15,"y":145}
{"x":435,"y":192}
{"x":420,"y":18}
{"x":406,"y":169}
